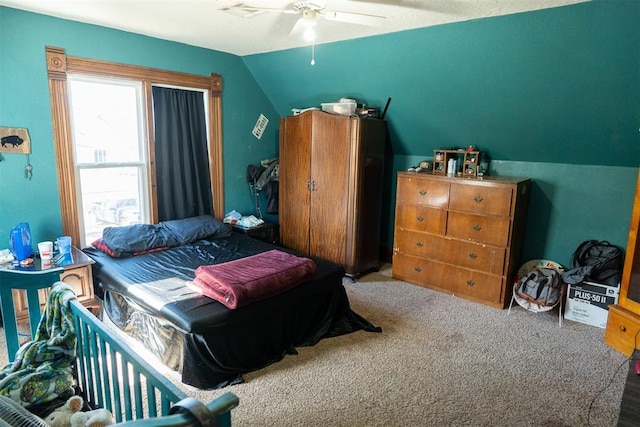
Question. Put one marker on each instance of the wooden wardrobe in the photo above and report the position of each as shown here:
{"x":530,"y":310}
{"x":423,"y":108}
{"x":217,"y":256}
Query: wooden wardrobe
{"x":330,"y":189}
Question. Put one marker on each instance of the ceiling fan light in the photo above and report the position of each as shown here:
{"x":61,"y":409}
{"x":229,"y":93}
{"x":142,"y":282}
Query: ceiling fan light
{"x":310,"y":34}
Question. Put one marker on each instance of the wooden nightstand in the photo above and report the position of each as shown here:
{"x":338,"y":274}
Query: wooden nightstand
{"x":24,"y":290}
{"x":267,"y":232}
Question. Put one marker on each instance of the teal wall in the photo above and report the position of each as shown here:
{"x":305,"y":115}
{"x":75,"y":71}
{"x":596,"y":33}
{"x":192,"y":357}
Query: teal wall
{"x":24,"y":102}
{"x":555,"y":86}
{"x":553,"y":95}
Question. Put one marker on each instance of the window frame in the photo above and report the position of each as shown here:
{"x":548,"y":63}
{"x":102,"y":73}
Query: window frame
{"x":59,"y":65}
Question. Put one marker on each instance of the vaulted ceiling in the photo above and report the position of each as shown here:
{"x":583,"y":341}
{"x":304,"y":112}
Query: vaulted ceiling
{"x":244,"y":29}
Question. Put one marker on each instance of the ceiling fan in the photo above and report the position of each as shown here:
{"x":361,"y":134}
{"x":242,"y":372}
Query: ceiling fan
{"x":310,"y":12}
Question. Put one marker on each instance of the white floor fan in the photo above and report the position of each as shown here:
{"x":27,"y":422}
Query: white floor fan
{"x":14,"y":415}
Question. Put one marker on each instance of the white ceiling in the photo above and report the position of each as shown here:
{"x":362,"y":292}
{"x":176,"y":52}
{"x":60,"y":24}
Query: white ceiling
{"x":204,"y":23}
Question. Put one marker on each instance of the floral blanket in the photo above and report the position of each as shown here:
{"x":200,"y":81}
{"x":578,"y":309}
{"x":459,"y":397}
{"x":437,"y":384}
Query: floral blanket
{"x":42,"y":369}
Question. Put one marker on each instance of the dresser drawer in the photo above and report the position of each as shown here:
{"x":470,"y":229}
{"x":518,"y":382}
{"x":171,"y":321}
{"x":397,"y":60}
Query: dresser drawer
{"x":468,"y":283}
{"x":414,"y":190}
{"x":475,"y":285}
{"x":485,"y":229}
{"x":490,"y":259}
{"x":421,"y":218}
{"x":418,"y":244}
{"x":622,"y":327}
{"x":419,"y":271}
{"x":485,"y":258}
{"x":481,"y":199}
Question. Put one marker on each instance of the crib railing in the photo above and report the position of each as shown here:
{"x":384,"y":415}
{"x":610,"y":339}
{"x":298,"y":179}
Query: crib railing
{"x":112,"y":376}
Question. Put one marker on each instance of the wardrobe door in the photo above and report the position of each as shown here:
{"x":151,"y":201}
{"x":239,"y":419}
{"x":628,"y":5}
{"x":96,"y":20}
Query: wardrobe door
{"x":294,"y":181}
{"x":367,"y":175}
{"x":330,"y":155}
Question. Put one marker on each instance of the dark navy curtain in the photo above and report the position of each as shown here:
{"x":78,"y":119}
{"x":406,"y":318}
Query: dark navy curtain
{"x":182,"y":159}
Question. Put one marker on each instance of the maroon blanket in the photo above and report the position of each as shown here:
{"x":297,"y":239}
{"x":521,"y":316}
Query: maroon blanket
{"x":237,"y":283}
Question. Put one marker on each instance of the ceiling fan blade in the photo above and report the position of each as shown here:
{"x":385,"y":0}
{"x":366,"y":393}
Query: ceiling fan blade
{"x":451,"y":7}
{"x":247,"y":11}
{"x":353,"y":18}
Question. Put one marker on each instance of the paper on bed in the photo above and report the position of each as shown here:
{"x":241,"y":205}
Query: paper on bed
{"x":242,"y":281}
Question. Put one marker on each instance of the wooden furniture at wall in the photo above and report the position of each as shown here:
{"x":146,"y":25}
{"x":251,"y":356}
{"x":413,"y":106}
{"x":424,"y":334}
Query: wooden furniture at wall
{"x":623,"y":324}
{"x":460,"y":236}
{"x":267,"y":232}
{"x":78,"y":276}
{"x":330,"y":187}
{"x":24,"y":290}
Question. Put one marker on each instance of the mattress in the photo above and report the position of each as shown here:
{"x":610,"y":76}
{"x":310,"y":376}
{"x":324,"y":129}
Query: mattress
{"x":209,"y":344}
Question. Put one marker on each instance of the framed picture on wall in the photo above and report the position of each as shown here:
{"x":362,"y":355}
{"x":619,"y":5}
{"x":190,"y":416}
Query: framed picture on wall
{"x":15,"y":140}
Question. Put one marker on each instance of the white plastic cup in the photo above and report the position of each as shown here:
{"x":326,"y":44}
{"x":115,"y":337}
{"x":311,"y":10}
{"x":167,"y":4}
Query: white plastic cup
{"x":451,"y":164}
{"x":46,"y":250}
{"x":64,"y":245}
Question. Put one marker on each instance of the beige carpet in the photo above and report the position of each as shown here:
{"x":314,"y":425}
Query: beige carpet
{"x":439,"y":361}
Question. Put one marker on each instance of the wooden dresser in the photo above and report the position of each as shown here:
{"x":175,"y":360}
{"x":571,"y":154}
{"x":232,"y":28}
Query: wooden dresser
{"x":623,"y":323}
{"x":460,"y":236}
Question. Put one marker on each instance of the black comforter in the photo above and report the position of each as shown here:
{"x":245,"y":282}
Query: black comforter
{"x":210,"y":344}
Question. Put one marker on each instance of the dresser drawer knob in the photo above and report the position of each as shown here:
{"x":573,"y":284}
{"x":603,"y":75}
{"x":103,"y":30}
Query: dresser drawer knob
{"x":478,"y":199}
{"x":477,"y":227}
{"x":420,"y":218}
{"x":422,"y":192}
{"x":418,"y":268}
{"x":470,"y":282}
{"x":623,"y":329}
{"x":419,"y":244}
{"x":473,"y":256}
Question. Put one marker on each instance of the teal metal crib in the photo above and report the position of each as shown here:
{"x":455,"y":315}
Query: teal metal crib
{"x":110,"y":375}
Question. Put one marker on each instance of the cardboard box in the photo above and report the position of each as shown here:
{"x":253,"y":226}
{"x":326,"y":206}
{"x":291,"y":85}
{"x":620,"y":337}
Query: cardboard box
{"x":588,"y":302}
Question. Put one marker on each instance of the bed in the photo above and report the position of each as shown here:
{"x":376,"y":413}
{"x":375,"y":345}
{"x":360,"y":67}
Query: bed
{"x":209,"y":344}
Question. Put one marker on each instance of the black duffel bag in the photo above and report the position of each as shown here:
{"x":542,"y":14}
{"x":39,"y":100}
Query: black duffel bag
{"x":595,"y":261}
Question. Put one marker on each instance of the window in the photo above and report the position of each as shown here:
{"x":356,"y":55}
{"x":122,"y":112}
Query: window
{"x":109,"y":177}
{"x":110,"y":157}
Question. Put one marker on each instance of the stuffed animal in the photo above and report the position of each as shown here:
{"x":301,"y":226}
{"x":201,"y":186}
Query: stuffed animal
{"x":71,"y":415}
{"x":95,"y":418}
{"x":61,"y":417}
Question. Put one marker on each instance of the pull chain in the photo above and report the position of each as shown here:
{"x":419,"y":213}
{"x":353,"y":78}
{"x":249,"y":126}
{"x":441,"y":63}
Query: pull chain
{"x":313,"y":52}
